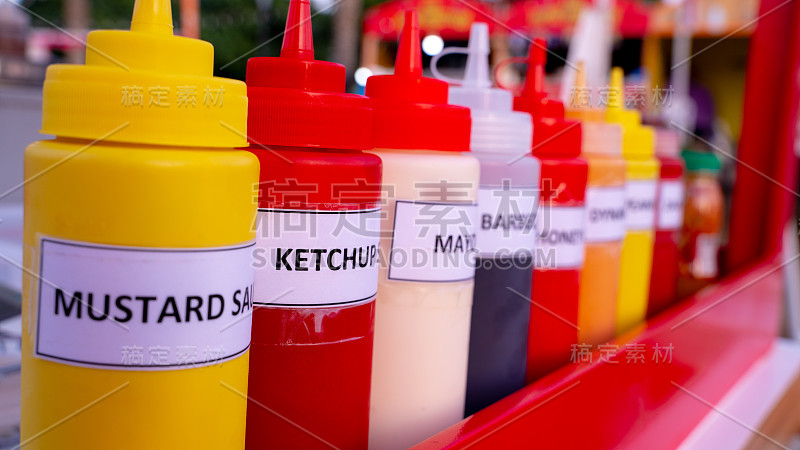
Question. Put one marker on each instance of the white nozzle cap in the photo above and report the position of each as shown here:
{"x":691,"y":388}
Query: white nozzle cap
{"x":476,"y":74}
{"x":496,"y":127}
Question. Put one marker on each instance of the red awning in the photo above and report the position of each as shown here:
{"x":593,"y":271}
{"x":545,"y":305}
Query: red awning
{"x":558,"y":17}
{"x":449,"y":19}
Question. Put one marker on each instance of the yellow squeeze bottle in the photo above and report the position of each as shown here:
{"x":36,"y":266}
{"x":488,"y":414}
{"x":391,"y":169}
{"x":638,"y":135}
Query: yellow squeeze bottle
{"x":641,"y":175}
{"x":137,"y":287}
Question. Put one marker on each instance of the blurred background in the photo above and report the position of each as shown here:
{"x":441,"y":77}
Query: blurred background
{"x":649,"y":38}
{"x":687,"y":58}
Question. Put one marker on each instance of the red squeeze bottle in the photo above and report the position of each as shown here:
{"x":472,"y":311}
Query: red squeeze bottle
{"x":316,"y":249}
{"x":669,"y":220}
{"x":560,"y":221}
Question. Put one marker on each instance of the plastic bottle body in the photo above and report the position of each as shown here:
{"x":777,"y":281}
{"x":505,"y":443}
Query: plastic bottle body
{"x":310,"y":366}
{"x":637,"y":248}
{"x":600,"y":276}
{"x":702,"y":231}
{"x":419,"y":370}
{"x":133,"y":196}
{"x":669,"y":214}
{"x":498,"y":344}
{"x":559,"y":260}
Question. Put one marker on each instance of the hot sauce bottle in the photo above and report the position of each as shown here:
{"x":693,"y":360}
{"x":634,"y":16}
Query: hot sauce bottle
{"x":704,"y":216}
{"x":560,"y":223}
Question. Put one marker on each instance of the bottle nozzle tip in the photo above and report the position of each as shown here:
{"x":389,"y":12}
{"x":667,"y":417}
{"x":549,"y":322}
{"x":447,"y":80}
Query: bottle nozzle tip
{"x":298,"y":40}
{"x":580,"y":75}
{"x":409,"y":52}
{"x":152,"y":16}
{"x":477,"y":70}
{"x":537,"y":57}
{"x":479,"y":39}
{"x":616,"y":87}
{"x":538,"y":53}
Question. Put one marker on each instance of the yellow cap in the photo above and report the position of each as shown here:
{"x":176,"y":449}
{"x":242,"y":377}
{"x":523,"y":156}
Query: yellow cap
{"x":638,"y":140}
{"x":145,"y":86}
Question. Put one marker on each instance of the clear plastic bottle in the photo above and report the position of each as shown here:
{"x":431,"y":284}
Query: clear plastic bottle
{"x":507,"y":202}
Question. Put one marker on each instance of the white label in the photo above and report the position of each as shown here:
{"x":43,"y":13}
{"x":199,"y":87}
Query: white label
{"x":670,"y":205}
{"x":506,"y":221}
{"x":134,"y":308}
{"x":312,"y":258}
{"x":605,"y":214}
{"x":704,"y":264}
{"x":640,"y":200}
{"x":560,"y":242}
{"x":433,"y":242}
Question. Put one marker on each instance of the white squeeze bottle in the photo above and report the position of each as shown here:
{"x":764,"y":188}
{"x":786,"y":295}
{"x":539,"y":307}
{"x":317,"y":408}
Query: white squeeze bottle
{"x":506,"y":236}
{"x":422,"y":315}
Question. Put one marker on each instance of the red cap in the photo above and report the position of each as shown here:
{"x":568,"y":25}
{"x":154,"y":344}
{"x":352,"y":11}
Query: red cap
{"x":297,"y":101}
{"x":411,"y":111}
{"x":552,"y":135}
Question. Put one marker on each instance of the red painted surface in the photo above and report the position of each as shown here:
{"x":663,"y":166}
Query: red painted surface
{"x":632,"y":403}
{"x":664,"y":277}
{"x":765,"y":191}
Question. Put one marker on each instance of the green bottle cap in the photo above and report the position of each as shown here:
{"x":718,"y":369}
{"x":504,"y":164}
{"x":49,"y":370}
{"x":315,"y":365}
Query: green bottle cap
{"x":699,"y":161}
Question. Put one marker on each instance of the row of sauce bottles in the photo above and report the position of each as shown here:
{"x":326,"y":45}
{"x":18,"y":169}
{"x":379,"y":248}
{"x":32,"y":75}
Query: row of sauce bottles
{"x":388,"y":282}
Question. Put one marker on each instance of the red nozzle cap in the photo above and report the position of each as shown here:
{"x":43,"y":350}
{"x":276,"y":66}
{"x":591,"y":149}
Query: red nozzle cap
{"x":552,"y":135}
{"x":411,"y":111}
{"x":298,"y":41}
{"x":537,"y":57}
{"x":295,"y":100}
{"x":409,"y":55}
